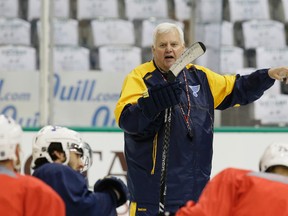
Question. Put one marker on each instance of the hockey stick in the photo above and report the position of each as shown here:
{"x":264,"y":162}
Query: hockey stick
{"x":192,"y":53}
{"x":164,"y":165}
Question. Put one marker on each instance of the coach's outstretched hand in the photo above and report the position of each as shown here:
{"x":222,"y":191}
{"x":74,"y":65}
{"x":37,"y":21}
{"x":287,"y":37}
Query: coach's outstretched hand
{"x":279,"y":73}
{"x":115,"y":187}
{"x":159,"y":98}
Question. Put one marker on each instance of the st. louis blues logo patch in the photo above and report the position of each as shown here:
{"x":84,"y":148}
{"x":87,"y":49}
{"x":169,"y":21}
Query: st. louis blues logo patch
{"x":195,"y":90}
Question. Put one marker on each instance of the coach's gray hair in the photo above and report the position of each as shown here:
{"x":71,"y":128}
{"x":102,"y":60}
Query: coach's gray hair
{"x":165,"y":28}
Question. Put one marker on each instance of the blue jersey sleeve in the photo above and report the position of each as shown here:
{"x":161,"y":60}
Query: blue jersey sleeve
{"x":248,"y":89}
{"x":72,"y":187}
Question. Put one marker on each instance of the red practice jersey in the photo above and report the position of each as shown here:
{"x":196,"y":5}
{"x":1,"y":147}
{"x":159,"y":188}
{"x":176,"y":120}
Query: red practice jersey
{"x":236,"y":192}
{"x":27,"y":196}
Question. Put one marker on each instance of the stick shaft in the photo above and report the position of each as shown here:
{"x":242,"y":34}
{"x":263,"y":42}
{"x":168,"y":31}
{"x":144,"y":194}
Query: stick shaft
{"x":164,"y":166}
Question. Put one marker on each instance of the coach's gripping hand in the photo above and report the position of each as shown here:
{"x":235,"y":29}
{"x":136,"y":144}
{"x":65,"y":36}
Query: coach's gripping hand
{"x":113,"y":186}
{"x":159,"y":98}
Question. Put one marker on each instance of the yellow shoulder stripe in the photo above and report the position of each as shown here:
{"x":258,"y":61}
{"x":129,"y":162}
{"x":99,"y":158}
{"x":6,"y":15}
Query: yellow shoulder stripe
{"x":220,"y":85}
{"x":133,"y":87}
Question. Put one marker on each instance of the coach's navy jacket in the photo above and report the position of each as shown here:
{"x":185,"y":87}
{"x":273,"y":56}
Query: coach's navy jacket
{"x":189,"y":160}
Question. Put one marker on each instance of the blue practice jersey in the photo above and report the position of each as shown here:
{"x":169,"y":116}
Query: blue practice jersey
{"x":72,"y":187}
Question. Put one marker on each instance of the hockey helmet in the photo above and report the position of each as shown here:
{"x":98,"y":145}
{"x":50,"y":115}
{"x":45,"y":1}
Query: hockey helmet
{"x":70,"y":140}
{"x":274,"y":154}
{"x":10,"y":135}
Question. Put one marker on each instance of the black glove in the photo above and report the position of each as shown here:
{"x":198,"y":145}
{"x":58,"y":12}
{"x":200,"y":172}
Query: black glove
{"x":160,"y":97}
{"x":115,"y":187}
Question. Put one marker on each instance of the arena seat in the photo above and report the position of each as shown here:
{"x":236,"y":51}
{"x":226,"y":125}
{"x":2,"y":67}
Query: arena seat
{"x":71,"y":58}
{"x":135,"y":9}
{"x":235,"y":10}
{"x":15,"y":31}
{"x":231,"y":59}
{"x":271,"y":57}
{"x":91,"y":9}
{"x":144,"y":29}
{"x":110,"y":31}
{"x":33,"y":9}
{"x":10,"y":9}
{"x":182,"y":10}
{"x":260,"y":33}
{"x":17,"y":58}
{"x":65,"y":32}
{"x":117,"y":58}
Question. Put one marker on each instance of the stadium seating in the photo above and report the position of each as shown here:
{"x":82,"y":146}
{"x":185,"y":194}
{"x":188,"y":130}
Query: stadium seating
{"x":114,"y":36}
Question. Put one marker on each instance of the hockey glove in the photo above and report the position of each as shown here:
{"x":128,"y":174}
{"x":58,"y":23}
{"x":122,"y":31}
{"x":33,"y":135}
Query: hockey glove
{"x":160,"y":97}
{"x":115,"y":187}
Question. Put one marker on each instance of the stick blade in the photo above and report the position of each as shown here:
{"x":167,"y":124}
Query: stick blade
{"x":192,"y":53}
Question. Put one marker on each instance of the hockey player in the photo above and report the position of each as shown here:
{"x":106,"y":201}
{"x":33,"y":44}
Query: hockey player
{"x":20,"y":194}
{"x":235,"y":192}
{"x":275,"y":159}
{"x":52,"y":150}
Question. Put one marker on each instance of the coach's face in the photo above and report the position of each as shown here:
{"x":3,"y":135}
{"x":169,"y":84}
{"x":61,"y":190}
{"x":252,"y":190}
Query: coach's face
{"x":167,"y":49}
